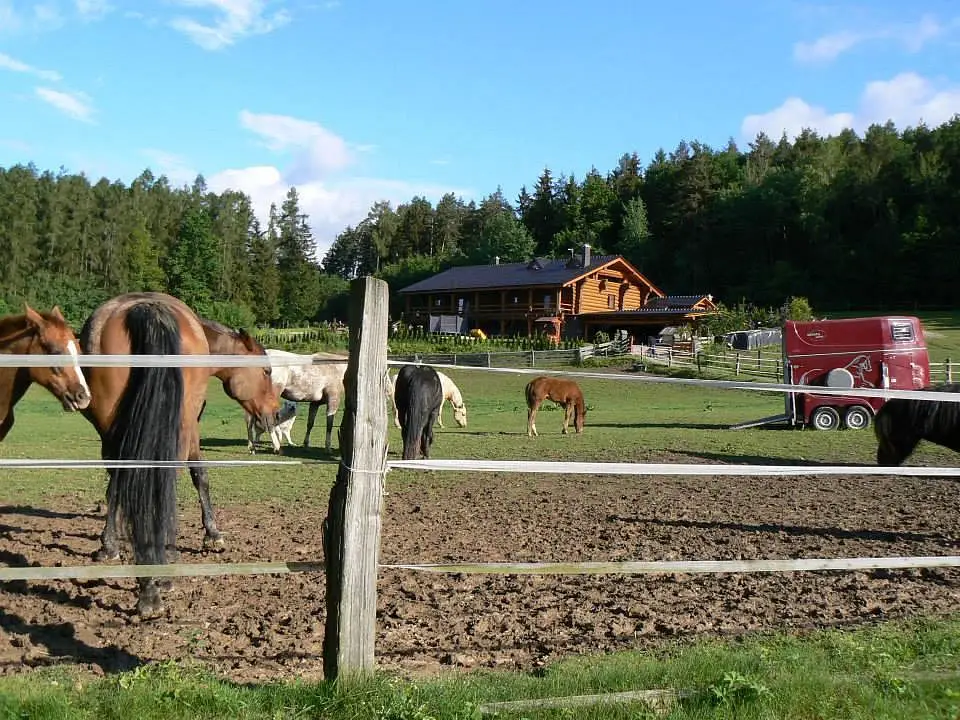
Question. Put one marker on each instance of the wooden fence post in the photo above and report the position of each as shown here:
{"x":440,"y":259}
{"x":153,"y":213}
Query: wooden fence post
{"x":738,"y":364}
{"x":949,"y":372}
{"x":351,"y":531}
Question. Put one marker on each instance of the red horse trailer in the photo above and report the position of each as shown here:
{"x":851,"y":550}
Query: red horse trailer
{"x":873,"y":352}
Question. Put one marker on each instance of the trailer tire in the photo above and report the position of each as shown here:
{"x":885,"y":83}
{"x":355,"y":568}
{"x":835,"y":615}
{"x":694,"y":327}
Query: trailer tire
{"x":857,"y":417}
{"x":825,"y":418}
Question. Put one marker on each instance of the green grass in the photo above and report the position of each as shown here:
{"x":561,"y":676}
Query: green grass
{"x":889,"y":671}
{"x":626,"y":421}
{"x":899,"y":670}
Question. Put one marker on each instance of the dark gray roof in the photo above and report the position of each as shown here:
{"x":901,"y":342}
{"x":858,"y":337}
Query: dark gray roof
{"x":674,"y":302}
{"x":477,"y":277}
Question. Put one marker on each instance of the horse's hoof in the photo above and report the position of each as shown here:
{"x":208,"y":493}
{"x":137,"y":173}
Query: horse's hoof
{"x":150,"y":607}
{"x":216,"y":544}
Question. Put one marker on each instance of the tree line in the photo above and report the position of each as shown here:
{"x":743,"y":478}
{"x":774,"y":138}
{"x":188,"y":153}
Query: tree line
{"x":849,"y":222}
{"x":67,"y":241}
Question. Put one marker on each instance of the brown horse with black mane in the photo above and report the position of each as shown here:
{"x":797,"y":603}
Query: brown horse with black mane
{"x":146,"y":414}
{"x":563,"y":392}
{"x":36,"y":333}
{"x":250,"y":386}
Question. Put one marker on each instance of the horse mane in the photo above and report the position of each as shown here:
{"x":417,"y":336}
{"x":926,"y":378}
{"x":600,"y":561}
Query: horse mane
{"x":217,"y":326}
{"x":12,"y":324}
{"x":239,"y":334}
{"x":13,"y":327}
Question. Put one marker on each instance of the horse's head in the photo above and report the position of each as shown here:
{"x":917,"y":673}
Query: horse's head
{"x":51,"y":335}
{"x":460,"y":414}
{"x":252,"y":386}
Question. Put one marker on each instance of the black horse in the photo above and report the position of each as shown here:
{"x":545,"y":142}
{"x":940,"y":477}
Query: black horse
{"x":903,"y":422}
{"x":419,"y":396}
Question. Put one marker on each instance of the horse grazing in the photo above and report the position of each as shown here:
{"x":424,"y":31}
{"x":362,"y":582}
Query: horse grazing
{"x":903,"y":422}
{"x":450,"y":392}
{"x":251,"y":386}
{"x":285,"y":420}
{"x":563,"y":392}
{"x":315,"y":384}
{"x":35,"y":333}
{"x":148,"y":414}
{"x":418,"y":395}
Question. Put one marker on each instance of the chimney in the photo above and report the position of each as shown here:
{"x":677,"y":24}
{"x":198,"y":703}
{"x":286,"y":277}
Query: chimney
{"x":585,"y":258}
{"x":496,"y":259}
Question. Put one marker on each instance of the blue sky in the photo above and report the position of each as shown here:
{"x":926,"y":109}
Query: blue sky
{"x":359,"y":100}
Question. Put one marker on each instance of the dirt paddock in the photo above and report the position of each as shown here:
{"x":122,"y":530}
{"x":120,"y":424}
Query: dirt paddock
{"x":268,"y":627}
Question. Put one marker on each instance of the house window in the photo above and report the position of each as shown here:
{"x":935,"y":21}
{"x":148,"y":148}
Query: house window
{"x":460,"y":303}
{"x":611,"y":302}
{"x":438,"y":302}
{"x":515,"y":299}
{"x":546,"y":301}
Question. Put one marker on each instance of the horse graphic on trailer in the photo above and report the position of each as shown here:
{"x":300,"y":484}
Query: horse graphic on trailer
{"x":871,"y":352}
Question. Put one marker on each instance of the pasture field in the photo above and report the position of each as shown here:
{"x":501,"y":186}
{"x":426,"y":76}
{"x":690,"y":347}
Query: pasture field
{"x":657,"y":631}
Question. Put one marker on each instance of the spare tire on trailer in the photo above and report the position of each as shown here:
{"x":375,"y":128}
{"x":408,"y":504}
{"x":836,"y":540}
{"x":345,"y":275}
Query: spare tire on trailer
{"x":839,"y":378}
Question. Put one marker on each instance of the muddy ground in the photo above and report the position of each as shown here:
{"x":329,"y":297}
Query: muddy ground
{"x":267,"y":627}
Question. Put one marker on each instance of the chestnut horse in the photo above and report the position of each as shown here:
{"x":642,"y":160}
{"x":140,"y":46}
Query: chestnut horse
{"x":252,"y":387}
{"x":148,"y":414}
{"x":563,"y":392}
{"x":35,"y":333}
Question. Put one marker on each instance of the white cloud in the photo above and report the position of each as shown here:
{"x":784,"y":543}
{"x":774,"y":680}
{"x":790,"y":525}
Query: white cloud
{"x":331,"y":199}
{"x":907,"y":99}
{"x":14,"y":65}
{"x":235,"y":20}
{"x":92,"y":9}
{"x":912,"y":36}
{"x":316,"y":150}
{"x":46,"y":16}
{"x":177,"y":169}
{"x":10,"y":20}
{"x":42,"y":16}
{"x":826,"y":48}
{"x":73,"y":104}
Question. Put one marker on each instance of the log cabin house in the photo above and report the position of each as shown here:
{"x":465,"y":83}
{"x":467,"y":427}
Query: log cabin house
{"x":573,"y":297}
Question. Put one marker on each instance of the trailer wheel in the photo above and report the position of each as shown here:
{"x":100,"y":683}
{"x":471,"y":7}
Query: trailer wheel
{"x":857,"y":417}
{"x":825,"y":418}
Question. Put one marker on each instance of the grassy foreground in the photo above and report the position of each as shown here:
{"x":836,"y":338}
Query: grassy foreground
{"x":891,"y":671}
{"x":903,"y":671}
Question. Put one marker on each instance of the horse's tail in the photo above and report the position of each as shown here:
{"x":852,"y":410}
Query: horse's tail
{"x":530,"y":393}
{"x":146,"y":427}
{"x":417,"y":413}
